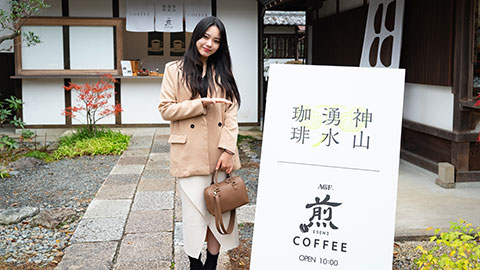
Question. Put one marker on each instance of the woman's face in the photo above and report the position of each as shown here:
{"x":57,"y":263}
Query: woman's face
{"x":209,"y":43}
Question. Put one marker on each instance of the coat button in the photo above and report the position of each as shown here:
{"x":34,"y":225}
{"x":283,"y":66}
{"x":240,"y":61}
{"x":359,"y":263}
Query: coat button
{"x":192,"y":126}
{"x":219,"y":124}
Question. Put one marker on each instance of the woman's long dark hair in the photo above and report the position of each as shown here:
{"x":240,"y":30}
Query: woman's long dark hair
{"x":220,"y":61}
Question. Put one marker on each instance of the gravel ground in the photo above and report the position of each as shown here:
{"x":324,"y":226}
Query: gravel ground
{"x":70,"y":183}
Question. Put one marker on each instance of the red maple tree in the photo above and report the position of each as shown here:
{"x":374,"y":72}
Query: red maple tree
{"x":94,"y":101}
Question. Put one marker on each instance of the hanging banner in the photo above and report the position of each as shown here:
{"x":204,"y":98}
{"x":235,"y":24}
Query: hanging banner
{"x":169,"y":16}
{"x":195,"y":10}
{"x":140,"y":15}
{"x":329,"y":168}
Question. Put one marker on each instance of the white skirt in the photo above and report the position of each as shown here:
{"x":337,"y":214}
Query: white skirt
{"x":196,"y":217}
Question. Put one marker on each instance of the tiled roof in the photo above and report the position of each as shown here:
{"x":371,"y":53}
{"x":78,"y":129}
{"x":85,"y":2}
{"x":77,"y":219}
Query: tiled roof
{"x":273,"y":17}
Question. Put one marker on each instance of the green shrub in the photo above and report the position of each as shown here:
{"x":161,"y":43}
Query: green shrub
{"x":83,"y":142}
{"x":461,"y":249}
{"x":39,"y":155}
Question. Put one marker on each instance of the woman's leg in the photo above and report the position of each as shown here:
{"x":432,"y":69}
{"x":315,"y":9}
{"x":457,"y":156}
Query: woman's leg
{"x":213,"y":247}
{"x":212,"y":243}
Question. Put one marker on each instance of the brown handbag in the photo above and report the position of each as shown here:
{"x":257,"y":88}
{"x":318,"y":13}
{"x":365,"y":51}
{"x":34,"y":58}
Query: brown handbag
{"x":225,"y":196}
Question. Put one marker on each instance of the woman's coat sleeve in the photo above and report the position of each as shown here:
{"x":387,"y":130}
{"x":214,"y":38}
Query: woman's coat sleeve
{"x":170,"y":108}
{"x":228,"y":137}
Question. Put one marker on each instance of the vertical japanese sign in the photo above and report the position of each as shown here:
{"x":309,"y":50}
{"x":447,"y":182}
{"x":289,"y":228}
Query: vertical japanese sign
{"x":140,"y":15}
{"x":169,"y":16}
{"x":195,"y":10}
{"x":329,"y":169}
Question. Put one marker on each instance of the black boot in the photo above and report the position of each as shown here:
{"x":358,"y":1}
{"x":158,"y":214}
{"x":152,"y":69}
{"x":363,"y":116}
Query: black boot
{"x":211,"y":262}
{"x":195,"y":264}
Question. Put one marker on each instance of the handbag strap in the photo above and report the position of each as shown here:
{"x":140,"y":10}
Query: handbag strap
{"x":219,"y":218}
{"x":215,"y":177}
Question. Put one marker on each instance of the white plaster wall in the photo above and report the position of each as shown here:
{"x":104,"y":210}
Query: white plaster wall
{"x":140,"y":99}
{"x":44,"y":101}
{"x":91,"y":47}
{"x":241,"y":21}
{"x":49,"y":53}
{"x":55,"y":8}
{"x":80,"y":119}
{"x":429,"y":105}
{"x":90,"y":8}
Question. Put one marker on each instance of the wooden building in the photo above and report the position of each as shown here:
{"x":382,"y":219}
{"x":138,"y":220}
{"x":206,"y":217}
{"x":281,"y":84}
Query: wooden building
{"x":83,"y":39}
{"x":440,"y":53}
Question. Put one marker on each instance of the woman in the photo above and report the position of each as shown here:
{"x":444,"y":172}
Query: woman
{"x":200,"y":98}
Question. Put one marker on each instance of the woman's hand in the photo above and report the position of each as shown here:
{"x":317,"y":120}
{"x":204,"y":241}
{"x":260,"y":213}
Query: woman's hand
{"x":208,"y":101}
{"x":225,"y":162}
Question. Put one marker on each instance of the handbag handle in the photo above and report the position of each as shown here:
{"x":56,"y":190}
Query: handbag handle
{"x":215,"y":177}
{"x":218,"y":211}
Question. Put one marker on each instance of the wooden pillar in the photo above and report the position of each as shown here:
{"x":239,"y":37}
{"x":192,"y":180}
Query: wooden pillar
{"x":462,"y":78}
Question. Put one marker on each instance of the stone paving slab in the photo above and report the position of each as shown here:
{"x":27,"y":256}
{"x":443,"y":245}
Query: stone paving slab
{"x":122,"y":179}
{"x":127,"y":169}
{"x":155,"y":174}
{"x":146,"y":247}
{"x":144,"y":265}
{"x":178,"y":234}
{"x":178,"y":207}
{"x":246,"y":214}
{"x":161,"y":149}
{"x":99,"y":229}
{"x":147,"y":184}
{"x":157,"y":165}
{"x":108,"y":208}
{"x":145,"y":132}
{"x":160,"y":137}
{"x":112,"y":192}
{"x":132,"y":160}
{"x":150,"y":221}
{"x":136,"y":153}
{"x":153,"y":200}
{"x":159,"y":157}
{"x":162,"y":131}
{"x":87,"y":256}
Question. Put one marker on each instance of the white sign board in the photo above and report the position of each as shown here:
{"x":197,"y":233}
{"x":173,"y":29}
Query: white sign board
{"x":329,"y":168}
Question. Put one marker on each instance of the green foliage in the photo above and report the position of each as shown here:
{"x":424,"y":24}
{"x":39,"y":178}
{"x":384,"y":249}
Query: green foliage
{"x":8,"y":143}
{"x":12,"y":20}
{"x":27,"y":134}
{"x":84,"y":142}
{"x":242,"y":138}
{"x":40,"y":155}
{"x":461,"y":249}
{"x":4,"y":173}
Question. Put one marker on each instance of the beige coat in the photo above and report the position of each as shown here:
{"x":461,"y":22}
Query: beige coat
{"x":198,"y":134}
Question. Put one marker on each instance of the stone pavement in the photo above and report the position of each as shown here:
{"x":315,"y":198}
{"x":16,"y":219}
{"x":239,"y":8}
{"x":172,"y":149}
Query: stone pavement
{"x":134,"y":221}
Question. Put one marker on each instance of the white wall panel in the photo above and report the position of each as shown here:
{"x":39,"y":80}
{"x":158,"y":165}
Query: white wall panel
{"x":55,"y":8}
{"x":80,"y":119}
{"x":90,"y":8}
{"x":44,"y":101}
{"x":91,"y":47}
{"x":140,"y":99}
{"x":49,"y":53}
{"x":429,"y":105}
{"x":241,"y":22}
